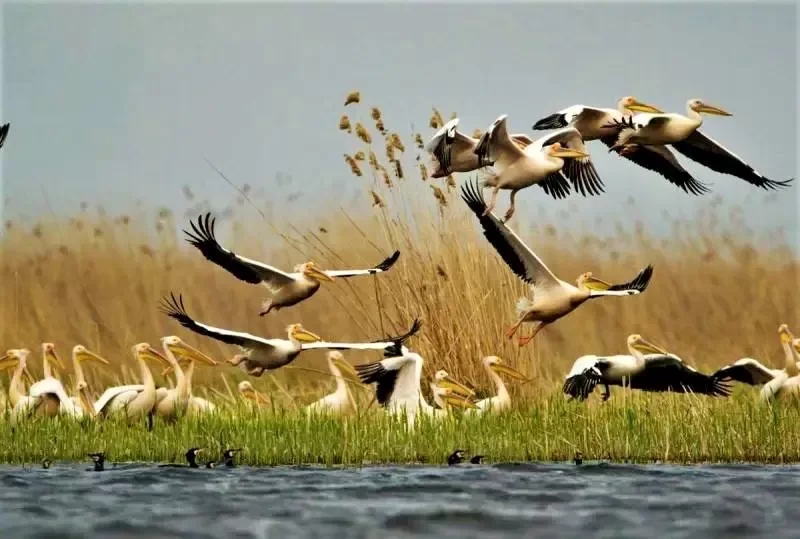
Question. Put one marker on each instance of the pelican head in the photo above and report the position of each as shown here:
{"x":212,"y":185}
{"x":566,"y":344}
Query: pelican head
{"x":81,"y":353}
{"x":632,"y":104}
{"x":557,"y":150}
{"x":496,"y":364}
{"x":699,"y":106}
{"x":179,"y":348}
{"x":247,"y":391}
{"x":587,"y":281}
{"x":144,"y":351}
{"x":298,"y":334}
{"x":445,"y":381}
{"x":785,"y":335}
{"x":84,"y":397}
{"x":50,"y":356}
{"x":10,"y":359}
{"x":451,"y":397}
{"x":311,"y":271}
{"x":336,"y":359}
{"x":627,"y":149}
{"x":638,"y":344}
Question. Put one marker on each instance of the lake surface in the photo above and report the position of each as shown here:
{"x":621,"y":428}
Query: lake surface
{"x":486,"y":501}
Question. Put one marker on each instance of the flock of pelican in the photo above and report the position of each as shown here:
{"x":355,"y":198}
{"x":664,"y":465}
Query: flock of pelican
{"x":557,"y":162}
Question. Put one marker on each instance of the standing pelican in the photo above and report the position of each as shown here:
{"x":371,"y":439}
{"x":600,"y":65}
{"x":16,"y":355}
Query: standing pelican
{"x":16,"y":358}
{"x":454,"y":151}
{"x":787,"y":382}
{"x":648,"y":368}
{"x":340,"y":401}
{"x":248,"y":392}
{"x":195,"y":405}
{"x":134,"y":401}
{"x":552,"y":297}
{"x":682,"y":133}
{"x":260,"y":354}
{"x":287,"y":288}
{"x":542,"y":162}
{"x":176,"y":400}
{"x":502,"y":401}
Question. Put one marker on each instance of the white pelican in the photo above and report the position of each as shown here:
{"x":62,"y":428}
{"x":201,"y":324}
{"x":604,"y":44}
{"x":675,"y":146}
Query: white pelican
{"x":444,"y":381}
{"x":51,"y":365}
{"x":397,"y":386}
{"x":595,"y":122}
{"x":445,"y":397}
{"x":16,"y":358}
{"x":682,"y":133}
{"x":552,"y":297}
{"x":787,"y":382}
{"x":454,"y":151}
{"x":340,"y":401}
{"x":137,"y":400}
{"x":195,"y":405}
{"x":175,"y":401}
{"x":4,"y":133}
{"x":542,"y":163}
{"x":750,"y":371}
{"x":502,"y":401}
{"x":287,"y":288}
{"x":247,"y":391}
{"x":648,"y":367}
{"x":260,"y":354}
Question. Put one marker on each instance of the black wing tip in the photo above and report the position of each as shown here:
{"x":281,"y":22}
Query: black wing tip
{"x":768,"y":184}
{"x":388,"y":262}
{"x":202,"y":231}
{"x":553,"y":121}
{"x":370,"y":372}
{"x":471,"y":194}
{"x":174,"y":308}
{"x":4,"y":133}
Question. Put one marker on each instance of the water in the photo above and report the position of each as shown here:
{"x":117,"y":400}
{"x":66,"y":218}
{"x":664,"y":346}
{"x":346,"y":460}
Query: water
{"x":525,"y":500}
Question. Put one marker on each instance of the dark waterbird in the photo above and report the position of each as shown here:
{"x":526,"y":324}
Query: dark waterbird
{"x":456,"y":457}
{"x":191,"y":458}
{"x":227,"y":457}
{"x":99,"y":460}
{"x":46,"y":464}
{"x":477,"y":459}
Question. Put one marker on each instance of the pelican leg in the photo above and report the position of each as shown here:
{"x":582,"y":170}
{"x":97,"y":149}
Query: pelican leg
{"x":493,"y":201}
{"x":606,"y":392}
{"x":510,"y":211}
{"x":523,"y":340}
{"x":513,"y":329}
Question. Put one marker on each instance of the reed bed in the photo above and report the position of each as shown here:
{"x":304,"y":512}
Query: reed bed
{"x":718,"y":294}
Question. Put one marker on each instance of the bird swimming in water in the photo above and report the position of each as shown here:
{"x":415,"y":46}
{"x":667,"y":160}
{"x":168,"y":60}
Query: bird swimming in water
{"x":191,"y":458}
{"x":227,"y":457}
{"x":46,"y":464}
{"x":578,"y":460}
{"x":456,"y":457}
{"x":477,"y":459}
{"x":99,"y":460}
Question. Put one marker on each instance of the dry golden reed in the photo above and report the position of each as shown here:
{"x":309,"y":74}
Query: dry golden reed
{"x":354,"y":168}
{"x":362,"y":133}
{"x":418,"y":141}
{"x":423,"y":171}
{"x":352,"y":97}
{"x":344,"y":124}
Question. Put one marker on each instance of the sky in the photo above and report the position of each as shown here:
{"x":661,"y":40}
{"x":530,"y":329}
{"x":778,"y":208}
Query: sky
{"x":114,"y":104}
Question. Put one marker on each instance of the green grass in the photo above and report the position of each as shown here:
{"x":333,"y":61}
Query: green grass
{"x":632,"y":427}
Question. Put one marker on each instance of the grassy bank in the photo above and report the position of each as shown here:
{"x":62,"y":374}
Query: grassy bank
{"x":630,"y":427}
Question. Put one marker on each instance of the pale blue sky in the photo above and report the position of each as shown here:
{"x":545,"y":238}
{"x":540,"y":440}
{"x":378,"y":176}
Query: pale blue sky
{"x":116,"y":103}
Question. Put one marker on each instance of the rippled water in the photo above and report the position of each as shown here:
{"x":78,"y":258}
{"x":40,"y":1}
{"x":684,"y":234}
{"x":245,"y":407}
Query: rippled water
{"x":525,"y":500}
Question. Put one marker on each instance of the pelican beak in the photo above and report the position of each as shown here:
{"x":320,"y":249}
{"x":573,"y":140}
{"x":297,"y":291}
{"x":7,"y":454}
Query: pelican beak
{"x":593,"y":283}
{"x":513,"y":373}
{"x":456,"y":387}
{"x":305,"y":336}
{"x":346,"y":368}
{"x":191,"y":353}
{"x":255,"y":396}
{"x":785,"y":334}
{"x":708,"y":109}
{"x":151,"y":354}
{"x":52,"y":358}
{"x":647,"y":347}
{"x":568,"y":152}
{"x":638,"y":106}
{"x":458,"y":401}
{"x":86,"y":355}
{"x":28,"y":375}
{"x":318,"y":274}
{"x":86,"y":399}
{"x":8,"y":362}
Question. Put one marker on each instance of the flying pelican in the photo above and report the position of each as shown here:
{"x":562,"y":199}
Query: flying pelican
{"x":552,"y":297}
{"x":397,"y":381}
{"x":454,"y":151}
{"x":247,"y":391}
{"x":750,"y":371}
{"x":340,"y":401}
{"x":4,"y":133}
{"x":260,"y":354}
{"x":787,"y":382}
{"x":138,"y":400}
{"x":542,"y":163}
{"x":502,"y":401}
{"x":681,"y":132}
{"x":176,"y":400}
{"x":595,"y":122}
{"x":287,"y":288}
{"x":648,"y":367}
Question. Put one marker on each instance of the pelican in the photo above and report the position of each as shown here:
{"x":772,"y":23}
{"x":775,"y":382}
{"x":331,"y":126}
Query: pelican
{"x":15,"y":358}
{"x":247,"y":391}
{"x":787,"y":382}
{"x":51,"y":365}
{"x":750,"y":371}
{"x":4,"y":133}
{"x":595,"y":122}
{"x":287,"y":288}
{"x":176,"y":400}
{"x":542,"y":163}
{"x":260,"y":354}
{"x":502,"y":401}
{"x":681,"y":132}
{"x":397,"y":381}
{"x":445,"y":397}
{"x":553,"y":298}
{"x":195,"y":405}
{"x":444,"y":381}
{"x":454,"y":151}
{"x":648,"y":367}
{"x":133,"y":401}
{"x":340,"y":401}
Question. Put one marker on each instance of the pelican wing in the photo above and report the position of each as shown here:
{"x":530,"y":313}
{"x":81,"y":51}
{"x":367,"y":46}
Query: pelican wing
{"x":698,"y":147}
{"x":383,"y":374}
{"x":581,"y":171}
{"x":635,"y":286}
{"x":522,"y":140}
{"x":660,"y":159}
{"x":496,"y":145}
{"x":383,"y":266}
{"x":4,"y":133}
{"x":444,"y":140}
{"x":174,"y":308}
{"x":582,"y":378}
{"x":247,"y":270}
{"x":119,"y":391}
{"x":746,"y":371}
{"x":522,"y":261}
{"x":669,"y":373}
{"x":566,"y":116}
{"x":392,"y":345}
